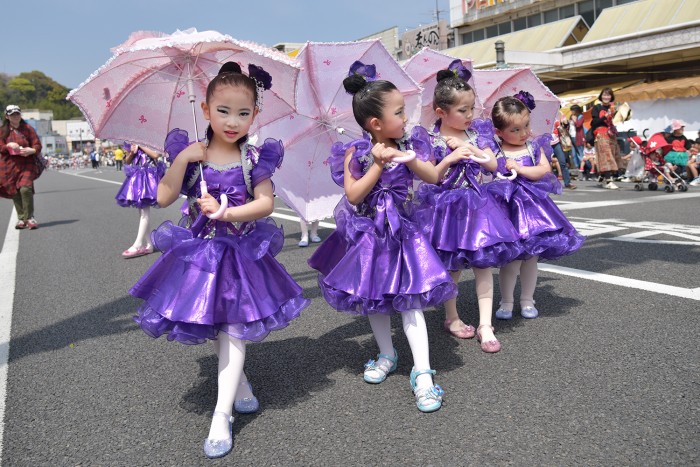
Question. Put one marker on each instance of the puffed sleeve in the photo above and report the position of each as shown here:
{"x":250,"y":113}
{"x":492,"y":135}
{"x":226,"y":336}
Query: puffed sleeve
{"x":362,"y":146}
{"x":486,"y":138}
{"x":175,"y":142}
{"x":542,"y":142}
{"x":422,"y":144}
{"x":269,"y":159}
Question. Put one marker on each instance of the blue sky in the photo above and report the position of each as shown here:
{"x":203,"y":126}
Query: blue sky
{"x":69,"y":39}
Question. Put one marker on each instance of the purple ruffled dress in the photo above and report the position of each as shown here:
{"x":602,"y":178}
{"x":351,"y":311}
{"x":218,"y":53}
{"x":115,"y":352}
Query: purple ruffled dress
{"x":468,"y":226}
{"x":140,"y":187}
{"x":219,"y":276}
{"x":543,"y":229}
{"x":379,"y":259}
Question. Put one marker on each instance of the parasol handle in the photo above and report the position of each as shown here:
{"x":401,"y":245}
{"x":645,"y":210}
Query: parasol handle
{"x":410,"y":155}
{"x":512,"y":175}
{"x":480,"y":160}
{"x":223,"y":200}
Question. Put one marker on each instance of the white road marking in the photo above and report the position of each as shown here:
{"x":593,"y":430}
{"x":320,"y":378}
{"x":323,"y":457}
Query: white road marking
{"x":693,"y":294}
{"x":642,"y":199}
{"x":8,"y":268}
{"x":287,"y":217}
{"x":94,"y":178}
{"x":637,"y":237}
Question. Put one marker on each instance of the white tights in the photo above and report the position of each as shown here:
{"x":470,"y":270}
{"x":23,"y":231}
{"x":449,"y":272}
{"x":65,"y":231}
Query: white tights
{"x":231,"y":353}
{"x":417,"y":334}
{"x":142,"y":236}
{"x":305,"y":229}
{"x":508,"y":275}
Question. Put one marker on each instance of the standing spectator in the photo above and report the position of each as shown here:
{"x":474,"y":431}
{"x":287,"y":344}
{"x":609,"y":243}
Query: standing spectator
{"x":119,"y":158}
{"x":605,"y":134}
{"x":93,"y":159}
{"x":560,"y":132}
{"x":19,"y":166}
{"x":578,"y":136}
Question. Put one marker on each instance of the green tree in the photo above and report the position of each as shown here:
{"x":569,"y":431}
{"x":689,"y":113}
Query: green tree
{"x":34,"y":89}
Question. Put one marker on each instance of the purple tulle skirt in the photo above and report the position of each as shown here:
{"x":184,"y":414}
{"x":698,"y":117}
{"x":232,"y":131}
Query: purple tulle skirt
{"x":543,"y":229}
{"x":468,"y":228}
{"x":228,"y":283}
{"x":363,"y":270}
{"x":140,"y":188}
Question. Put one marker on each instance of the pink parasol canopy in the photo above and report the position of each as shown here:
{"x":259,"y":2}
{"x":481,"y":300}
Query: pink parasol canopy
{"x":491,"y":85}
{"x":423,"y":67}
{"x":324,"y":116}
{"x":155,"y":82}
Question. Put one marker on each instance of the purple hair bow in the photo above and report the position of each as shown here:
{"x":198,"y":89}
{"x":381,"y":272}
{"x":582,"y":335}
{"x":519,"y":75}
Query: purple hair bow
{"x":459,"y":70}
{"x":261,"y":77}
{"x":527,"y":99}
{"x":368,"y":72}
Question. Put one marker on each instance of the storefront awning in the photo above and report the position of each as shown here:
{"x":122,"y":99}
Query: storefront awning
{"x":643,"y":15}
{"x":586,"y":96}
{"x":538,"y":39}
{"x":666,"y":89}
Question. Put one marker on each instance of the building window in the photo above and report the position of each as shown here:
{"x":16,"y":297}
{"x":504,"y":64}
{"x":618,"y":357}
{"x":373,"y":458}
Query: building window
{"x":587,"y":10}
{"x":492,"y":31}
{"x":504,"y":28}
{"x":622,"y":2}
{"x":567,"y":11}
{"x":467,"y":38}
{"x":519,"y":24}
{"x":600,"y":5}
{"x":551,"y":15}
{"x":478,"y":35}
{"x":534,"y":20}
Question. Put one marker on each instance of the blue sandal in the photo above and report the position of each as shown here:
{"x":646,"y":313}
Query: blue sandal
{"x":428,"y":399}
{"x":215,"y":448}
{"x":376,"y":373}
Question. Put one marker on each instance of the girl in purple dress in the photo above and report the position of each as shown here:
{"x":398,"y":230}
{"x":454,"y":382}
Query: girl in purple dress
{"x":378,"y":261}
{"x":469,"y":227}
{"x":217,"y":278}
{"x":545,"y":232}
{"x":140,"y":189}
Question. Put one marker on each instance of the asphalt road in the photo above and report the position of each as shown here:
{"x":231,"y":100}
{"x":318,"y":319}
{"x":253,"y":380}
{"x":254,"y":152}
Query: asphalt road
{"x":608,"y":375}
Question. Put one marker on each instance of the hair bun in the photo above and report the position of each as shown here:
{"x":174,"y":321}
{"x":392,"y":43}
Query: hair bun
{"x":444,"y":74}
{"x":354,"y":83}
{"x":230,"y":67}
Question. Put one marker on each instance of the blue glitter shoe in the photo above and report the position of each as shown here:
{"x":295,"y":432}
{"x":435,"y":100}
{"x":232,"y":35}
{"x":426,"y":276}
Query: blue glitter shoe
{"x":428,"y":399}
{"x":246,"y":404}
{"x":529,"y":312}
{"x":376,"y":373}
{"x":214,"y":448}
{"x":502,"y":313}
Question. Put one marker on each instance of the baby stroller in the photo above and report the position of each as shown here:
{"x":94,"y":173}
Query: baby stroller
{"x":655,"y":166}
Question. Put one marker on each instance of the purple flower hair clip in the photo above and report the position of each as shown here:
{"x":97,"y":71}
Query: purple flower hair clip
{"x":263,"y":81}
{"x":527,"y":99}
{"x":459,"y":70}
{"x":368,"y":72}
{"x":262,"y":78}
